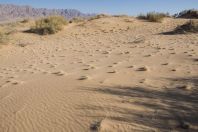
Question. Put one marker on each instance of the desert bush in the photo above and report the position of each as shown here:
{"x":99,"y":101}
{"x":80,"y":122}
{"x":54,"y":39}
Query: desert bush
{"x":141,"y":16}
{"x":98,"y":16}
{"x":49,"y":25}
{"x":192,"y":14}
{"x":153,"y":16}
{"x":77,"y":20}
{"x":189,"y":27}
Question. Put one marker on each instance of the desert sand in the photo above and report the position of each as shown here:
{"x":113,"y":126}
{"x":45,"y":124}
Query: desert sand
{"x":113,"y":74}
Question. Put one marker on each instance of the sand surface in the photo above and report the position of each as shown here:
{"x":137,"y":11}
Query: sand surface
{"x":115,"y":74}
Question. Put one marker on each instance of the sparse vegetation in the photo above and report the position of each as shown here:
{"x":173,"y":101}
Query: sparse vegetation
{"x":49,"y":25}
{"x":25,"y":21}
{"x":192,"y":14}
{"x":77,"y":20}
{"x":153,"y":16}
{"x":141,"y":16}
{"x":120,"y":15}
{"x":189,"y":27}
{"x":99,"y":16}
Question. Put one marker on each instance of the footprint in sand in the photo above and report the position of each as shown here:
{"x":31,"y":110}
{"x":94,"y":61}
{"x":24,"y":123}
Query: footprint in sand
{"x":83,"y":78}
{"x":174,"y":70}
{"x":164,"y":64}
{"x":142,"y":69}
{"x":45,"y":72}
{"x":12,"y":77}
{"x":59,"y":73}
{"x":86,"y":69}
{"x":195,"y":60}
{"x":147,"y":55}
{"x":130,"y":66}
{"x":183,"y":87}
{"x":112,"y":71}
{"x":14,"y":82}
{"x":115,"y":63}
{"x":105,"y":52}
{"x":142,"y":81}
{"x":172,"y":53}
{"x":127,"y":52}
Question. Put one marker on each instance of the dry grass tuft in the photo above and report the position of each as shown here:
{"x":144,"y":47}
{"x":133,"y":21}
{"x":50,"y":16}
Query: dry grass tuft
{"x":192,"y":14}
{"x":153,"y":16}
{"x":77,"y":20}
{"x":49,"y":25}
{"x":120,"y":15}
{"x":98,"y":17}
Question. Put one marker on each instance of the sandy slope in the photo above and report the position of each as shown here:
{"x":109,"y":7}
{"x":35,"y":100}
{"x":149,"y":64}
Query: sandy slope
{"x":115,"y":74}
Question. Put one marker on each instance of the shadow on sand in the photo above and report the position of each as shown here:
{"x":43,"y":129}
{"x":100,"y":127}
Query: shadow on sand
{"x":170,"y":109}
{"x":174,"y":32}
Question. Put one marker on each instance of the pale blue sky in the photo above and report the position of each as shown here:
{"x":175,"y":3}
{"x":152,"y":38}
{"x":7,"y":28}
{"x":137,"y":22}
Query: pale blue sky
{"x":130,"y":7}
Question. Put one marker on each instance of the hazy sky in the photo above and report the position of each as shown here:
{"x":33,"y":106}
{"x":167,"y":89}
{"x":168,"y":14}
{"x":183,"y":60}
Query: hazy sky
{"x":130,"y":7}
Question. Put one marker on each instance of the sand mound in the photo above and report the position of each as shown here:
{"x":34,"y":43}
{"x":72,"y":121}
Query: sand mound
{"x":111,"y":74}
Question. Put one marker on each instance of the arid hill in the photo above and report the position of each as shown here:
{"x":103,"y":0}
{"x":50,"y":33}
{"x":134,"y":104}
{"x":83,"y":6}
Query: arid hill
{"x":13,"y":12}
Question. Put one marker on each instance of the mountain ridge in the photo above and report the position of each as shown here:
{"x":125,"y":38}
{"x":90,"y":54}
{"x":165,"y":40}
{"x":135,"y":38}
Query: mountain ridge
{"x":15,"y":12}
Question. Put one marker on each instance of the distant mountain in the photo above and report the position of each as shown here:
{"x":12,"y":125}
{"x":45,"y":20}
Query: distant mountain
{"x":14,"y":12}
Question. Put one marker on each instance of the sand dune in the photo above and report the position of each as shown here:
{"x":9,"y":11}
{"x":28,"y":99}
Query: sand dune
{"x":109,"y":74}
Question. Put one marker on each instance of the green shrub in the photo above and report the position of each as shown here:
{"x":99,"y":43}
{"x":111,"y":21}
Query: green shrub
{"x":153,"y":16}
{"x":189,"y":27}
{"x":49,"y":25}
